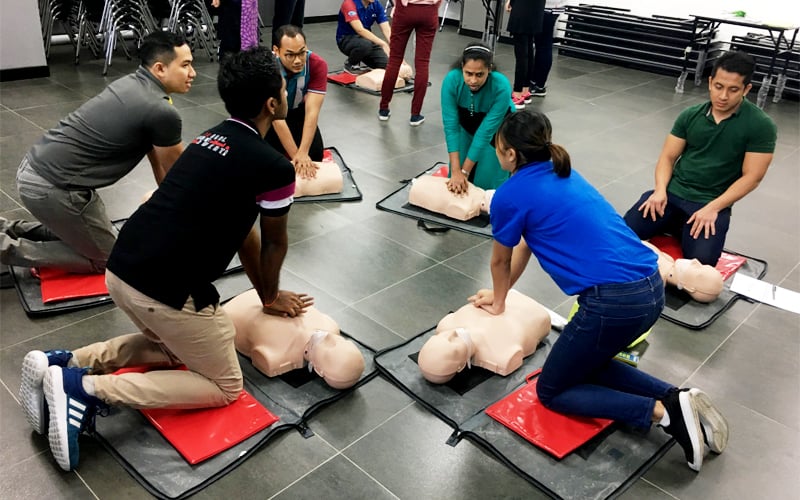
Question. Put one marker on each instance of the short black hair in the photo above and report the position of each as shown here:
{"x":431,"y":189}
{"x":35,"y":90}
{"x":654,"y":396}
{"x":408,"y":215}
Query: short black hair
{"x":736,"y":61}
{"x":159,"y":46}
{"x":289,"y":30}
{"x":247,"y":79}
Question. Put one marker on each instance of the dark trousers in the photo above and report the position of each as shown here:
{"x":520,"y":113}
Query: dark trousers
{"x":295,"y":119}
{"x":229,"y":26}
{"x":424,"y":21}
{"x":676,"y":213}
{"x":288,"y":12}
{"x":359,"y":49}
{"x":523,"y":67}
{"x":543,"y":42}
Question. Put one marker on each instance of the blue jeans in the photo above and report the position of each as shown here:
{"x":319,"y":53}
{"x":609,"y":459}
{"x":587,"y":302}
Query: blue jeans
{"x":676,"y":213}
{"x":580,"y":376}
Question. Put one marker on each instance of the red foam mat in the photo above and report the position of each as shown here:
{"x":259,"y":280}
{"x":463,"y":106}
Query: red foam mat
{"x":202,"y":433}
{"x":726,"y":265}
{"x":342,"y":78}
{"x":522,"y":412}
{"x":58,"y":285}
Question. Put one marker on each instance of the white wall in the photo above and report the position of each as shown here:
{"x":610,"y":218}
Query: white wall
{"x":21,"y":43}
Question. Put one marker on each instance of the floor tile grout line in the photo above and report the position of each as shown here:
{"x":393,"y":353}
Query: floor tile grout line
{"x":370,"y":476}
{"x":338,"y":453}
{"x":725,"y":340}
{"x":48,"y":332}
{"x":378,"y":426}
{"x":659,"y":488}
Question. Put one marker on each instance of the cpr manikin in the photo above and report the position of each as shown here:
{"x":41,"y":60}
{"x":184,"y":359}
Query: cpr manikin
{"x":373,"y":80}
{"x":473,"y":337}
{"x":328,"y":180}
{"x":702,"y":282}
{"x":277,"y":345}
{"x":430,"y":192}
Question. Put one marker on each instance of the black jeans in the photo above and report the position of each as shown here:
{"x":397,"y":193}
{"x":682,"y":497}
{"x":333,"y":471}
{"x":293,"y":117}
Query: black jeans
{"x":359,"y":49}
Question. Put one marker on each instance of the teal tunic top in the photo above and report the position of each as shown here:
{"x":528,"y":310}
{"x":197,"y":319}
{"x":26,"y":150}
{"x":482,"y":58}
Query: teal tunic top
{"x":492,"y":102}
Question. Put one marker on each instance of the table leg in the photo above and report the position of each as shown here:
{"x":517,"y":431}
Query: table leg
{"x":681,"y":81}
{"x":701,"y":65}
{"x":780,"y":84}
{"x":761,"y":100}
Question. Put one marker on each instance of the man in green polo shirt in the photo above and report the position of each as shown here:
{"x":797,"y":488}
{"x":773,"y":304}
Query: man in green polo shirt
{"x":716,"y":153}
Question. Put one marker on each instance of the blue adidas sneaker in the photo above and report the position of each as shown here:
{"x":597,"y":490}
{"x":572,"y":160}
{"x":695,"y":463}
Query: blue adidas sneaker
{"x":72,"y":412}
{"x":31,"y":396}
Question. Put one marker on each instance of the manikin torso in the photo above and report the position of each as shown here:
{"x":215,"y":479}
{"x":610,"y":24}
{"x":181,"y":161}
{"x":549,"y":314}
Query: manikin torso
{"x":373,"y":80}
{"x":430,"y":192}
{"x":277,"y":345}
{"x":702,"y":282}
{"x":327,"y":181}
{"x":472,"y":336}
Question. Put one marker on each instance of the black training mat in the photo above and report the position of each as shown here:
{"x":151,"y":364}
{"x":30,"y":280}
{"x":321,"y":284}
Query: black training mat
{"x":397,"y":203}
{"x":603,"y":467}
{"x":350,"y":191}
{"x":160,"y":469}
{"x":682,"y":310}
{"x":30,"y":295}
{"x":408,"y":87}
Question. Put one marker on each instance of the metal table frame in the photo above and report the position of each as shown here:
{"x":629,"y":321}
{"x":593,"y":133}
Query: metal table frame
{"x":782,"y":44}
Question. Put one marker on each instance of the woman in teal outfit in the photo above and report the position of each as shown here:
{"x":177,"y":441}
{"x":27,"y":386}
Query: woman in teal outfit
{"x":475,"y":99}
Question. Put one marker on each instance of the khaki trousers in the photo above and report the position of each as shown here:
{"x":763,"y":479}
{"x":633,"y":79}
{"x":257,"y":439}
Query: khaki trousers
{"x":202,"y":340}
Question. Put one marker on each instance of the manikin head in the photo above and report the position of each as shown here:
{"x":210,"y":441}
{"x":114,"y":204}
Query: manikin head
{"x":334,"y":358}
{"x":405,"y":71}
{"x":444,"y":355}
{"x":473,"y":336}
{"x":277,"y":345}
{"x":702,"y":282}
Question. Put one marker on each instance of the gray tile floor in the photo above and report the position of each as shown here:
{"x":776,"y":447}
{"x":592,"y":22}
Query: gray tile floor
{"x":384,"y":281}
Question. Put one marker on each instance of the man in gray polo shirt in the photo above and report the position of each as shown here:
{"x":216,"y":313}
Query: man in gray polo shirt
{"x":95,"y":146}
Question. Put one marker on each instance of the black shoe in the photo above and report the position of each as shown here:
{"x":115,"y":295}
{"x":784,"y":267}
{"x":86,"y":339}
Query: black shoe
{"x":684,"y":425}
{"x":355,"y":69}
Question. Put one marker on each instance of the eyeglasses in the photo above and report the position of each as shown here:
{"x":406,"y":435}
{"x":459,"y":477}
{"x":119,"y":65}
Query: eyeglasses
{"x":298,"y":55}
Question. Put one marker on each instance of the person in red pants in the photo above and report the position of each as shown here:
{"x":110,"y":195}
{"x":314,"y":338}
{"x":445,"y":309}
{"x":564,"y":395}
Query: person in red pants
{"x":421,"y":17}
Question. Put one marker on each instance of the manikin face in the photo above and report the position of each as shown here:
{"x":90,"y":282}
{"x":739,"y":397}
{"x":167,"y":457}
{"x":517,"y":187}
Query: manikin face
{"x":178,"y":75}
{"x":702,"y":282}
{"x":475,"y":74}
{"x":442,"y":356}
{"x":726,"y":91}
{"x":335,"y":359}
{"x":293,"y":53}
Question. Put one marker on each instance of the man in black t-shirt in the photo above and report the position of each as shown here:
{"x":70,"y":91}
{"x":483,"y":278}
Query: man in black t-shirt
{"x":165,"y":260}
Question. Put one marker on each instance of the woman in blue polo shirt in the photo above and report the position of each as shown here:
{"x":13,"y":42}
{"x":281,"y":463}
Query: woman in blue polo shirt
{"x":548,"y":210}
{"x":474,"y":101}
